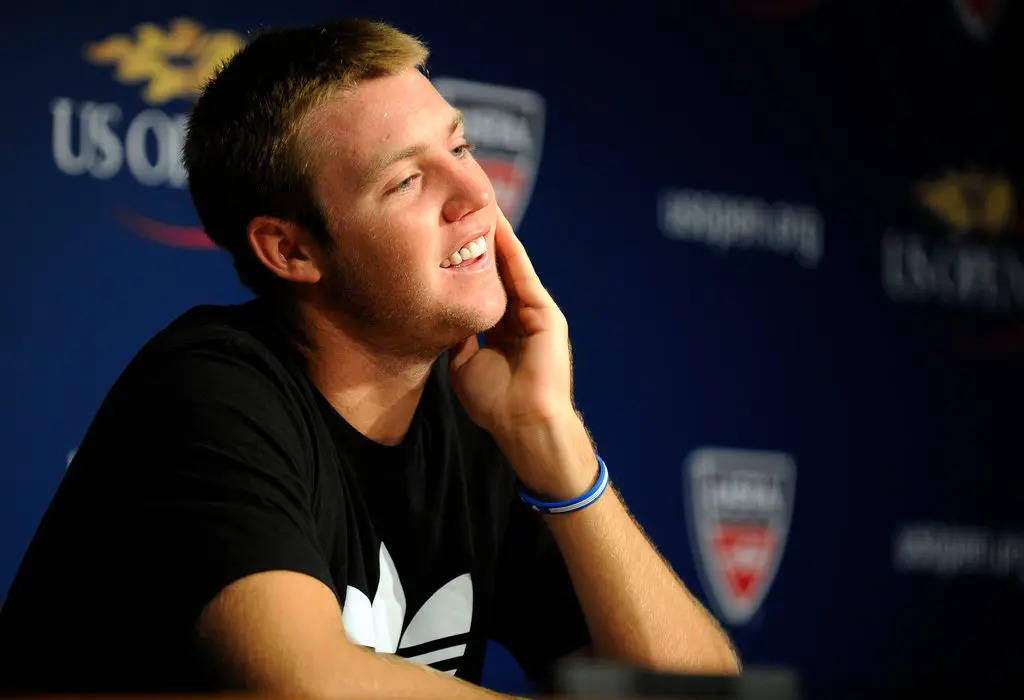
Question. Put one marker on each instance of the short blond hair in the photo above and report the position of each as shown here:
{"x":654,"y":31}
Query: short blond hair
{"x":242,"y":152}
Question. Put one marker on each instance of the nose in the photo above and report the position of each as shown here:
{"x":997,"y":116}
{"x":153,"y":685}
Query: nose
{"x":469,"y":191}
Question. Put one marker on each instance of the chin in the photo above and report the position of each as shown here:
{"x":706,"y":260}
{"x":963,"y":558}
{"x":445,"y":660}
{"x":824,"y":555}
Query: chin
{"x":477,"y":319}
{"x":493,"y":311}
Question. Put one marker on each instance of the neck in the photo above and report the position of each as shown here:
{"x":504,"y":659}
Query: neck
{"x":373,"y":387}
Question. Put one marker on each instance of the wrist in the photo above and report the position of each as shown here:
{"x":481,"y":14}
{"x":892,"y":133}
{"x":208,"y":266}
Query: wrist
{"x":573,"y":505}
{"x":553,"y":458}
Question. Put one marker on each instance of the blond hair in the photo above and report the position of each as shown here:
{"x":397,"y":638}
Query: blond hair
{"x":242,"y":150}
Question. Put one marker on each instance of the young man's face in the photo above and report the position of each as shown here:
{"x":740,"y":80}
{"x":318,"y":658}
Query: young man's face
{"x":402,"y":193}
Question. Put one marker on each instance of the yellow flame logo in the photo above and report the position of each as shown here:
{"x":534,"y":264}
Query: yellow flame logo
{"x":173,"y":64}
{"x":970,"y":201}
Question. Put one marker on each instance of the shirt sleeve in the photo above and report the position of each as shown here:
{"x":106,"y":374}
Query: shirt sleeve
{"x":208,"y":473}
{"x":536,"y":616}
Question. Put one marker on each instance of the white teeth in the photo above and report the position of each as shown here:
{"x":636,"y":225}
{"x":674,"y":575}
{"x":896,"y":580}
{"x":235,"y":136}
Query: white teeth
{"x":473,"y":249}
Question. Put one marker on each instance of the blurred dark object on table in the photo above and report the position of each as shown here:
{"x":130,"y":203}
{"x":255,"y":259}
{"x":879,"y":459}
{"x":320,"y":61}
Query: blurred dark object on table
{"x":599,"y":678}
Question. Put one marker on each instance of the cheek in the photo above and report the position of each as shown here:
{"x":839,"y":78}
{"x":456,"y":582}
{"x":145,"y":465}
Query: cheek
{"x":412,"y":235}
{"x":384,"y":239}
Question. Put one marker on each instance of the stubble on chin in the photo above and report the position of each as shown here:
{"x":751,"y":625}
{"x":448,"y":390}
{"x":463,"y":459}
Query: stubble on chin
{"x":464,"y":322}
{"x":398,"y":312}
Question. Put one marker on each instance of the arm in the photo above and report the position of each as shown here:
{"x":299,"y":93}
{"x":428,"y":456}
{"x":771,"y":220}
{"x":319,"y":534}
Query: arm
{"x":281,"y":633}
{"x":519,"y":388}
{"x":637,"y":609}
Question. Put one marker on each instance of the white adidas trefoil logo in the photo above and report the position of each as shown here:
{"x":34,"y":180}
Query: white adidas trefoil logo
{"x":448,"y":612}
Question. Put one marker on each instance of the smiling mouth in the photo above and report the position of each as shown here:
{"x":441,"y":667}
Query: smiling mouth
{"x":467,"y":255}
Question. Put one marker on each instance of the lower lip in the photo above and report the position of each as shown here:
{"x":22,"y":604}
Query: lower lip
{"x":477,"y":264}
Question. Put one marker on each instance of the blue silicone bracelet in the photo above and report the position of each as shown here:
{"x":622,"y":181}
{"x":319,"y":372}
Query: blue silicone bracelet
{"x":575,"y":504}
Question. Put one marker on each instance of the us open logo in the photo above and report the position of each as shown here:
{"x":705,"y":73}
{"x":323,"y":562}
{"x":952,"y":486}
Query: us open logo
{"x":967,"y":254}
{"x":507,"y":127}
{"x":103,"y":139}
{"x":740,"y":505}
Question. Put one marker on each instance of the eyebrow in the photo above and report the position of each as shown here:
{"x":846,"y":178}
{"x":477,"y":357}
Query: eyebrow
{"x":386,"y":160}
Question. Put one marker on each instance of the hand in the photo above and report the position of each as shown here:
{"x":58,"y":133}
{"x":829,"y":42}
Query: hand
{"x":519,"y":386}
{"x":524,"y":374}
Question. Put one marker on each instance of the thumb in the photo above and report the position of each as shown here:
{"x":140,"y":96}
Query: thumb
{"x":461,"y":353}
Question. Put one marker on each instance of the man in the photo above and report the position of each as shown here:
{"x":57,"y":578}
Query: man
{"x":270,"y":491}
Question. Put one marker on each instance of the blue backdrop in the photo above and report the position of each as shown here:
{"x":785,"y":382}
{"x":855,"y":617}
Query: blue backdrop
{"x":788,"y":227}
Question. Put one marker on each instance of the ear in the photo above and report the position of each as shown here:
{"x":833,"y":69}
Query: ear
{"x":284,"y":248}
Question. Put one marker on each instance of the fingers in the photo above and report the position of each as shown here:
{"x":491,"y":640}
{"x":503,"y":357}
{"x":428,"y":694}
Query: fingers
{"x":461,"y":353}
{"x":516,"y":268}
{"x":505,"y":333}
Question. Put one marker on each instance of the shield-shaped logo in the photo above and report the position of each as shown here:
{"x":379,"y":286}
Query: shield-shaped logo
{"x":979,"y":17}
{"x":507,"y":127}
{"x":740,"y":504}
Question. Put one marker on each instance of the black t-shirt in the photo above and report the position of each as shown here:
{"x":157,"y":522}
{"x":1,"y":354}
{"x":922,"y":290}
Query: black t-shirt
{"x":214,"y":457}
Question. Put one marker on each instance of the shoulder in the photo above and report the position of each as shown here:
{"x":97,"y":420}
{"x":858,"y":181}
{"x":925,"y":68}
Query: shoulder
{"x":214,"y":364}
{"x":217,"y":341}
{"x":247,"y":331}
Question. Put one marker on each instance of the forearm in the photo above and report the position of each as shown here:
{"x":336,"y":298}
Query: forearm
{"x":341,"y":670}
{"x":637,"y":609}
{"x":388,"y":676}
{"x":281,"y":633}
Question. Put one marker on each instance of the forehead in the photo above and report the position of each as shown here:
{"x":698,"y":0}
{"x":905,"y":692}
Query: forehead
{"x":381,"y":114}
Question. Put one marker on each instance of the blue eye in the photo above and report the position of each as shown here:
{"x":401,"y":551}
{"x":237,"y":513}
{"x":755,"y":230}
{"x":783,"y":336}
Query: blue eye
{"x":459,"y":152}
{"x":405,"y":184}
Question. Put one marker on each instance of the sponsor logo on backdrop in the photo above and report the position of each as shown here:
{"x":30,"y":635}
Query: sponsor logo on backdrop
{"x":979,"y":17}
{"x":739,"y":505}
{"x":507,"y":126}
{"x":102,"y":139}
{"x":726,"y":222}
{"x":170,"y":64}
{"x":972,"y":257}
{"x":944,"y":549}
{"x":971,"y":200}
